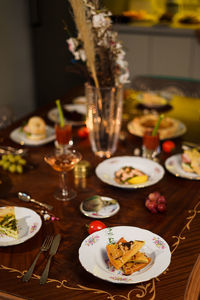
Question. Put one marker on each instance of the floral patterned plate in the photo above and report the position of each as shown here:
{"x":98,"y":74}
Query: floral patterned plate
{"x":173,"y":165}
{"x":93,"y":256}
{"x":105,"y":212}
{"x":105,"y":171}
{"x":28,"y":224}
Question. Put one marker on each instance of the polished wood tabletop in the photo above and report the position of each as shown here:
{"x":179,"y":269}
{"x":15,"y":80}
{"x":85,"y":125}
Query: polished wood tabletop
{"x":178,"y":226}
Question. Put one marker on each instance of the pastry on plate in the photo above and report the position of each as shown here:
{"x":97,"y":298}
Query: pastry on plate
{"x":126,"y":255}
{"x":121,"y":252}
{"x":136,"y":263}
{"x":35,"y":129}
{"x":190,"y":161}
{"x":8,"y":222}
{"x":168,"y":126}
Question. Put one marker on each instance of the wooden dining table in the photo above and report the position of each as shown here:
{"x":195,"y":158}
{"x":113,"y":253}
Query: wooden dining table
{"x":68,"y":279}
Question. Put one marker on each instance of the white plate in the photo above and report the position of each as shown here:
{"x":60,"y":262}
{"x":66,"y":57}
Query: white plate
{"x":28,"y":224}
{"x":180,"y":131}
{"x":18,"y":136}
{"x":105,"y":212}
{"x":93,"y":256}
{"x":165,"y":98}
{"x":106,"y":170}
{"x":173,"y":165}
{"x":79,"y":108}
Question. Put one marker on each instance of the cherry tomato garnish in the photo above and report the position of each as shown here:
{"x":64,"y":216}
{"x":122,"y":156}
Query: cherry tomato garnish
{"x":83,"y":132}
{"x":95,"y":226}
{"x":168,"y":146}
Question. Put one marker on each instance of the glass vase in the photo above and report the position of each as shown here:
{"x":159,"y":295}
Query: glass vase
{"x":104,"y":116}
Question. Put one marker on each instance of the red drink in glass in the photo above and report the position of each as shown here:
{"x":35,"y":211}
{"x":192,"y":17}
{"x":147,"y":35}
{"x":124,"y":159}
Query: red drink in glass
{"x":63,"y":134}
{"x":150,"y":144}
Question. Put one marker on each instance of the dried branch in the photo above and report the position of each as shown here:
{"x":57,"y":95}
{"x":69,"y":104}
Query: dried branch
{"x":86,"y":35}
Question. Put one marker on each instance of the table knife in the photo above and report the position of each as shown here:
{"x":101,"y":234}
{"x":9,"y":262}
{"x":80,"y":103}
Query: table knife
{"x":52,"y":252}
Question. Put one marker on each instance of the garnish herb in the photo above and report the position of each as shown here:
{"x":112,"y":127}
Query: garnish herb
{"x":157,"y":125}
{"x":60,"y":111}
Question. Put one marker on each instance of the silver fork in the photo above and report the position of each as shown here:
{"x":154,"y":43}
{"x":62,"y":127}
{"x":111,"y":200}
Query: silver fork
{"x":45,"y":246}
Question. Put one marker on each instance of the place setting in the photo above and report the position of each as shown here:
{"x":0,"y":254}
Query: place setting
{"x":98,"y":251}
{"x":19,"y":224}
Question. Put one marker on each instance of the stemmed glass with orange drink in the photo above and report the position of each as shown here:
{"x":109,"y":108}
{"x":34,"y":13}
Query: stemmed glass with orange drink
{"x":63,"y":160}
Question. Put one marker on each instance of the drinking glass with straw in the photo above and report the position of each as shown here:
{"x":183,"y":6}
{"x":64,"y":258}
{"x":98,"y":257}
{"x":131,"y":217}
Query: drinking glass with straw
{"x":63,"y":130}
{"x":151,"y":140}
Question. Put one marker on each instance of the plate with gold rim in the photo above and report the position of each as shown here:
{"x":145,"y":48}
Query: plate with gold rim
{"x":106,"y":170}
{"x":19,"y":136}
{"x":93,"y":256}
{"x":181,"y":130}
{"x":173,"y":165}
{"x":105,"y":212}
{"x":28,"y":224}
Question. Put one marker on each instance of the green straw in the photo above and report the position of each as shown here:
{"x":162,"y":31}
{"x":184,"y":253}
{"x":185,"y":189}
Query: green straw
{"x":60,"y":111}
{"x":157,"y":125}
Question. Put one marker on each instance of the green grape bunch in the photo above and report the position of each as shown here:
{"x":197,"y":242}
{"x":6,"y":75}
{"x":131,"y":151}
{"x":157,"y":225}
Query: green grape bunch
{"x":13,"y":163}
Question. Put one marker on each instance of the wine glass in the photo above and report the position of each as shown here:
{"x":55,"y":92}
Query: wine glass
{"x":63,"y":160}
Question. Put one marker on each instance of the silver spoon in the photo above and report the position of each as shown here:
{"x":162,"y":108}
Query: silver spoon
{"x":96,"y":203}
{"x":27,"y":198}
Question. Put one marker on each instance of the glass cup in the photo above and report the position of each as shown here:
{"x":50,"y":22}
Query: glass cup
{"x":104,"y":115}
{"x":63,"y":135}
{"x":63,"y":161}
{"x":150,"y":144}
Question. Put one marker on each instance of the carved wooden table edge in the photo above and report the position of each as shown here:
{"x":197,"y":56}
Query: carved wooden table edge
{"x":140,"y":290}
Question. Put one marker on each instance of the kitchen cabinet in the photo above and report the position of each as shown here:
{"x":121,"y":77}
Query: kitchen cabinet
{"x":161,"y":51}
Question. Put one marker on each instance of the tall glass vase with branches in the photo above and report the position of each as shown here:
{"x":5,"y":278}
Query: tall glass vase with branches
{"x":97,"y":45}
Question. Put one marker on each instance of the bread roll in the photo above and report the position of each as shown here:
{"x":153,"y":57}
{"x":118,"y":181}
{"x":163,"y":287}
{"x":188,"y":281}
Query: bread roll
{"x":36,"y":128}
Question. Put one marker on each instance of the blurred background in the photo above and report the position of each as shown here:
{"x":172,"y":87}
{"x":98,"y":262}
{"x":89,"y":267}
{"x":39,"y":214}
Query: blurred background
{"x":160,"y":38}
